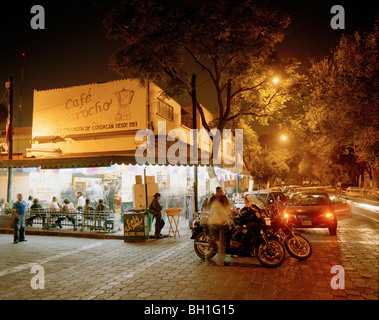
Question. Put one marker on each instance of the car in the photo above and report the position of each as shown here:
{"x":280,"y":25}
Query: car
{"x":311,"y":209}
{"x":340,"y":204}
{"x":342,"y":186}
{"x":268,"y":197}
{"x":291,"y":189}
{"x":354,"y":192}
{"x":373,"y":194}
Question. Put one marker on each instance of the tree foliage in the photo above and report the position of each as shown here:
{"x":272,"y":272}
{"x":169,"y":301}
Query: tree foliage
{"x":341,"y":119}
{"x":230,"y":41}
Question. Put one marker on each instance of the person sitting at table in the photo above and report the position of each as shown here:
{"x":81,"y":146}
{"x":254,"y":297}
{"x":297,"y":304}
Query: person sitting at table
{"x":101,"y":206}
{"x":88,"y":206}
{"x":69,"y":207}
{"x":54,"y":208}
{"x":35,"y":212}
{"x":55,"y":205}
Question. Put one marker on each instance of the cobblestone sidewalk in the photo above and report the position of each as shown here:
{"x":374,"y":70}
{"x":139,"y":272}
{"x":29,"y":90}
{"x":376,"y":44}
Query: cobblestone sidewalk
{"x":168,"y":269}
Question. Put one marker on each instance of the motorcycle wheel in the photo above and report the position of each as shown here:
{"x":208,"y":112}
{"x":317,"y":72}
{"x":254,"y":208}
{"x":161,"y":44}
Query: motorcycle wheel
{"x":271,"y":254}
{"x":203,"y":247}
{"x":299,"y":248}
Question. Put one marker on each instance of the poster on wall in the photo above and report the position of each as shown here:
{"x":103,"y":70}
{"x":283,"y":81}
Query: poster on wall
{"x":90,"y":109}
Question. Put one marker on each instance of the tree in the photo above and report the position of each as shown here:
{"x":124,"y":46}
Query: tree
{"x":230,"y":41}
{"x":271,"y":166}
{"x":342,"y":115}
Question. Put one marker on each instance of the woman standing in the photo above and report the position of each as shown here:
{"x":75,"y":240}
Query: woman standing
{"x":156,"y":208}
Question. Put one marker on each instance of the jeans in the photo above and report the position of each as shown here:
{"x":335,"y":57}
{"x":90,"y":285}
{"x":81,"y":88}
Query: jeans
{"x":219,"y":232}
{"x":159,"y":224}
{"x":19,"y":229}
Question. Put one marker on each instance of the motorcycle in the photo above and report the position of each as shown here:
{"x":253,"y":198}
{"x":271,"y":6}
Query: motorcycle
{"x":267,"y":248}
{"x":297,"y":245}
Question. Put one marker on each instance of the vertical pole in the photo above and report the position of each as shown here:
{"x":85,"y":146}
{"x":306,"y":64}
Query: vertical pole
{"x":10,"y":149}
{"x":144,"y":181}
{"x":194,"y":125}
{"x":22,"y":85}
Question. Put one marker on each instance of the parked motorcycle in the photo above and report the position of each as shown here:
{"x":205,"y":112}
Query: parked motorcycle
{"x":297,"y":246}
{"x":267,"y":248}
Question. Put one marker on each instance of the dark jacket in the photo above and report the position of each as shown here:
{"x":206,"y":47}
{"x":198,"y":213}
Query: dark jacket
{"x":248,"y":214}
{"x":155,"y":208}
{"x":223,"y":200}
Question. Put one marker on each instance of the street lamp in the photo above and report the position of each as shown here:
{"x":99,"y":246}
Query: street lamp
{"x":275,"y":80}
{"x":283,"y":137}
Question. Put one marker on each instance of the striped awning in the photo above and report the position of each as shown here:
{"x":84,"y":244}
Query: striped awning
{"x":68,"y":162}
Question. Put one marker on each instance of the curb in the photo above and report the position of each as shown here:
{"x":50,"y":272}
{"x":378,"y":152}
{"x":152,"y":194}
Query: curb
{"x":53,"y":233}
{"x":64,"y":234}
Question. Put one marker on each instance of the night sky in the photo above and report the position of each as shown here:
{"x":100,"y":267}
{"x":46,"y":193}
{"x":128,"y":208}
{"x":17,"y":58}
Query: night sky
{"x":73,"y":50}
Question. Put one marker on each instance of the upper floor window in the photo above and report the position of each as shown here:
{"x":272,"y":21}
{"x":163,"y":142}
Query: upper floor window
{"x":165,"y":110}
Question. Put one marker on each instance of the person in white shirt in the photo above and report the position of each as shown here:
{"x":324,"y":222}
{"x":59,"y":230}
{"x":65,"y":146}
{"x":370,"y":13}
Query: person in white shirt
{"x":70,"y":211}
{"x":80,"y":202}
{"x":28,"y":204}
{"x":55,"y":204}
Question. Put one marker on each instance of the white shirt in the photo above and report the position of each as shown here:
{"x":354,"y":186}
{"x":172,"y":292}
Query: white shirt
{"x":70,"y":206}
{"x":81,"y":202}
{"x":54,"y":205}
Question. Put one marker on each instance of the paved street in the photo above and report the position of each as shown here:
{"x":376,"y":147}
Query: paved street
{"x":168,"y":269}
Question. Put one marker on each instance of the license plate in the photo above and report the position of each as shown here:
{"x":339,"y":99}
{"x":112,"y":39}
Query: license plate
{"x":306,"y":223}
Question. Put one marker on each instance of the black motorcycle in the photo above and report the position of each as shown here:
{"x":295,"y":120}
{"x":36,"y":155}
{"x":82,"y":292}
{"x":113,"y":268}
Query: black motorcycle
{"x":297,"y":246}
{"x":239,"y":241}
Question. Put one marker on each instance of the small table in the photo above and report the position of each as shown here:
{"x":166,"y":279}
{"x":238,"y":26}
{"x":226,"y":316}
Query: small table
{"x":172,"y":213}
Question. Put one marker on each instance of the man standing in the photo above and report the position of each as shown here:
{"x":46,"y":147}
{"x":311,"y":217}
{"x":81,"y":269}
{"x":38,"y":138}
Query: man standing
{"x":218,"y":215}
{"x":220,"y":196}
{"x":19,"y":221}
{"x":110,"y":193}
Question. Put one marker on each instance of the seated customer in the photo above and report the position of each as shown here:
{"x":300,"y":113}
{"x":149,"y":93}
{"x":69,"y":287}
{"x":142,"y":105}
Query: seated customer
{"x":68,"y":207}
{"x":35,"y":212}
{"x":88,"y":206}
{"x":102,"y":216}
{"x":101,"y":206}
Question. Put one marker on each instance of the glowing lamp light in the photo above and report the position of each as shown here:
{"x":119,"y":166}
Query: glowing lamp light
{"x":284,"y":138}
{"x":275,"y":80}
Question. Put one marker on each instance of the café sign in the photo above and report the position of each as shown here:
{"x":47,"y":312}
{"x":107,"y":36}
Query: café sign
{"x":93,"y":108}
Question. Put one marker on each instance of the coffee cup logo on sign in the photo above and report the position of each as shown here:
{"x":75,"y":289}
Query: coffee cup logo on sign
{"x":124,"y":98}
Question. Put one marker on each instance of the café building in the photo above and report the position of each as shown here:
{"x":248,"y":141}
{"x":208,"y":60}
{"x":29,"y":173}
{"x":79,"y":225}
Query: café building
{"x":89,"y":136}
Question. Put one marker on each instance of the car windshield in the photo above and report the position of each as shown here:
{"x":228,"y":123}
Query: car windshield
{"x":253,"y":199}
{"x":262,"y":196}
{"x":309,"y":200}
